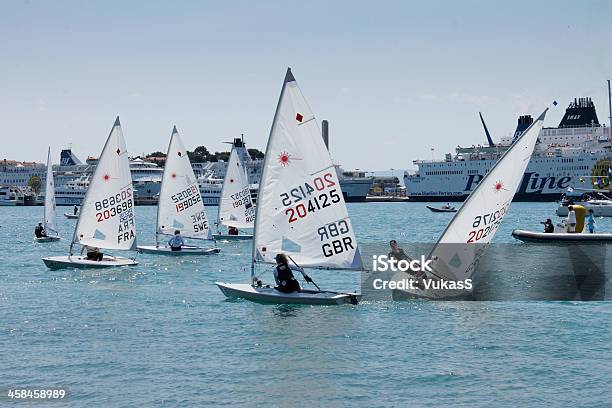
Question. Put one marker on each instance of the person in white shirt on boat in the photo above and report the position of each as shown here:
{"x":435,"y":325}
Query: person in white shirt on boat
{"x":283,"y":275}
{"x":177,"y":242}
{"x":571,"y":220}
{"x":93,"y":254}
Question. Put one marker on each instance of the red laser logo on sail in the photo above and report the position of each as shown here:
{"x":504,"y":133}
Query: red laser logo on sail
{"x":106,"y":177}
{"x":284,"y":159}
{"x":499,"y":186}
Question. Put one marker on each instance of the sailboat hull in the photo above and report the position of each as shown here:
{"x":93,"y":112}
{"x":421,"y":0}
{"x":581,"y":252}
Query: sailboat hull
{"x":47,"y":239}
{"x":185,"y":250}
{"x":226,"y":237}
{"x":267,"y":294}
{"x":80,"y":262}
{"x":71,"y":216}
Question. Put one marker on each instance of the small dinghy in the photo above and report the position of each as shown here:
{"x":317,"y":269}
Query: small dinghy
{"x":106,"y":219}
{"x":442,"y":209}
{"x":180,"y":207}
{"x":81,"y":262}
{"x":71,"y":216}
{"x":267,"y":294}
{"x":236,"y":208}
{"x":185,"y":250}
{"x":301,"y":211}
{"x":50,"y":224}
{"x":534,"y":236}
{"x":464,"y":241}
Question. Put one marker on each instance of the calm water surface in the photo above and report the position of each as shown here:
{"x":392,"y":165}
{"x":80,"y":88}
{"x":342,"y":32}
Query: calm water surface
{"x":162,"y":334}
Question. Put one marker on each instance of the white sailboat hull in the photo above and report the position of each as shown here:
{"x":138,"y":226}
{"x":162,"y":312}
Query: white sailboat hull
{"x":267,"y":294}
{"x":226,"y":237}
{"x":80,"y":262}
{"x":47,"y":239}
{"x":185,"y":250}
{"x":71,"y":216}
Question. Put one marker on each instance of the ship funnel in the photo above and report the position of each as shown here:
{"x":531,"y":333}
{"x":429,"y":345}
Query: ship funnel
{"x":524,"y":121}
{"x":325,"y":132}
{"x":67,"y":158}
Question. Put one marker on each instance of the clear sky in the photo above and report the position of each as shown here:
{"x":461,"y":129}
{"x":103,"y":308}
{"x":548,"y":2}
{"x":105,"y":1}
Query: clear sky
{"x":394,"y":78}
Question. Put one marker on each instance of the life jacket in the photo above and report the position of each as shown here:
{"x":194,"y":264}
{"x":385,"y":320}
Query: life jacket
{"x":285,"y":280}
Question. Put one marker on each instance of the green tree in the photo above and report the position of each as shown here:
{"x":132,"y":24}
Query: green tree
{"x":255,"y":154}
{"x":35,"y":184}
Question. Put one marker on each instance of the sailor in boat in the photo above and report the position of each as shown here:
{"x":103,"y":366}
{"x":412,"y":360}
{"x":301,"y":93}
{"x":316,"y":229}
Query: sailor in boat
{"x":571,"y":220}
{"x":591,"y":221}
{"x":93,"y":253}
{"x":39,"y":231}
{"x":548,"y":226}
{"x":446,"y":207}
{"x":177,"y":242}
{"x":76,"y":210}
{"x":283,"y":275}
{"x":396,"y":252}
{"x":232,"y":231}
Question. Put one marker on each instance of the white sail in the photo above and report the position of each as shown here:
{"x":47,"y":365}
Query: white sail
{"x":236,"y":205}
{"x":180,"y":204}
{"x":300,"y":207}
{"x":458,"y":250}
{"x":106,"y":219}
{"x":50,"y":220}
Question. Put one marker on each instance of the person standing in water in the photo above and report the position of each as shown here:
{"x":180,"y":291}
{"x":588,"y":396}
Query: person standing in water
{"x":570,"y":221}
{"x":591,"y":221}
{"x":176,"y":242}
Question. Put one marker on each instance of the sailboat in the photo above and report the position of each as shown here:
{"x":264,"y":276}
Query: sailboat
{"x":236,"y":207}
{"x":180,"y":206}
{"x":50,"y":218}
{"x":300,"y":208}
{"x":456,"y":254}
{"x":106,"y":219}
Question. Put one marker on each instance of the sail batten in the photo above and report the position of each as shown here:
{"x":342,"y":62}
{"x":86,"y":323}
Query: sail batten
{"x":300,"y":206}
{"x":180,"y":205}
{"x":107,"y":218}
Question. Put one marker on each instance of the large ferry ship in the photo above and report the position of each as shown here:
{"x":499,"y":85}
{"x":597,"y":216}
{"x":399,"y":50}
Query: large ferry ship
{"x":576,"y":154}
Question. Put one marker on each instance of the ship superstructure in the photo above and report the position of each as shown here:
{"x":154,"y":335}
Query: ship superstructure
{"x":572,"y":154}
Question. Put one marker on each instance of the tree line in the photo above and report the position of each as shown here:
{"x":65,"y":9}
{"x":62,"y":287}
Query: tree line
{"x":201,"y":154}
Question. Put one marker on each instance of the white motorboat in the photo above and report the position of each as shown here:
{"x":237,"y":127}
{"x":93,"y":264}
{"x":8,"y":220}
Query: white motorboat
{"x":71,"y":216}
{"x":298,"y":194}
{"x":107,"y":218}
{"x":590,"y":200}
{"x":180,"y":207}
{"x":560,"y":237}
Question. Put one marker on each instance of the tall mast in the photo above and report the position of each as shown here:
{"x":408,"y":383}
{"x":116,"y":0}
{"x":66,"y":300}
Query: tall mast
{"x":610,"y":106}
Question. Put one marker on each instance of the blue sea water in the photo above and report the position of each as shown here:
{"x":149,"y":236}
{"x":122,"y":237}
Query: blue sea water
{"x":162,"y":334}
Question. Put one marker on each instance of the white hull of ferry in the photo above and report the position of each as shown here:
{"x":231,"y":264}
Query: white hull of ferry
{"x":267,"y":294}
{"x":545,"y":179}
{"x":80,"y":262}
{"x":185,"y":250}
